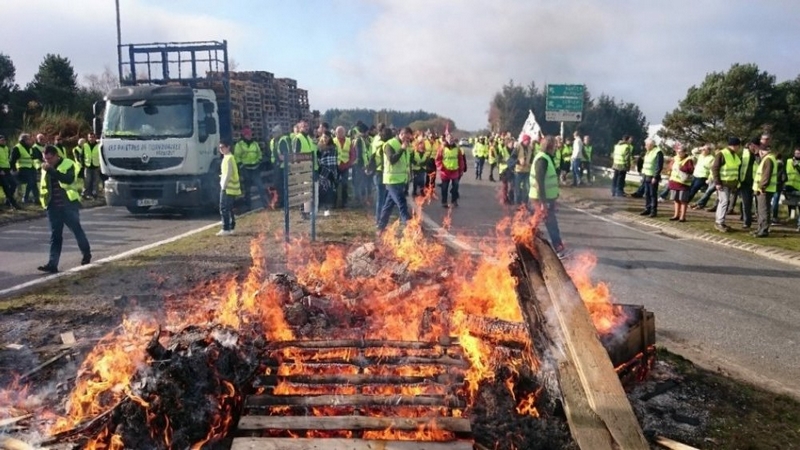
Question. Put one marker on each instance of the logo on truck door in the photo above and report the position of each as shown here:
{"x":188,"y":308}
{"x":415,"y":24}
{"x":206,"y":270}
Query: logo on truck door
{"x":145,"y":159}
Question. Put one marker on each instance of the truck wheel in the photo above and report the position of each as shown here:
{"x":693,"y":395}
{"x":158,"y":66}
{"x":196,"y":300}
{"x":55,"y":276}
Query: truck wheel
{"x":138,"y":209}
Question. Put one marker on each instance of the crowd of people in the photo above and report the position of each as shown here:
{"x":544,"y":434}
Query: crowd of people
{"x":749,"y":174}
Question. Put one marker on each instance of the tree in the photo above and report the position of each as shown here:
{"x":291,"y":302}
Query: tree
{"x":101,"y":83}
{"x":7,"y":86}
{"x":55,"y":84}
{"x":740,"y":102}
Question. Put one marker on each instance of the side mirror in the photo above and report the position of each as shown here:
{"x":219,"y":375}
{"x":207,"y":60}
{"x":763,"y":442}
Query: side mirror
{"x":97,"y":126}
{"x":211,"y":124}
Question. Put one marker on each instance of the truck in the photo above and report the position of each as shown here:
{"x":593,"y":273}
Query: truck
{"x":161,"y":127}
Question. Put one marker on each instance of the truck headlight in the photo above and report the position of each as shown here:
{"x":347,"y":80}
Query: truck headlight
{"x":110,"y":187}
{"x":187,"y":186}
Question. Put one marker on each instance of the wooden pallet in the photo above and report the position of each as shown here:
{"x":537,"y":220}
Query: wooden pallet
{"x":352,"y":381}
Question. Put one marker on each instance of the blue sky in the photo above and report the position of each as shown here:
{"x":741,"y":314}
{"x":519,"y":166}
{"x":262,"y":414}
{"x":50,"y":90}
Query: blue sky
{"x":443,"y":56}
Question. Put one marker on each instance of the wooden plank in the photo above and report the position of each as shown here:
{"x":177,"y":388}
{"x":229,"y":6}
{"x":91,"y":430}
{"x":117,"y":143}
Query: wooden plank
{"x":367,"y":343}
{"x":255,"y":401}
{"x":359,"y":379}
{"x":12,"y":420}
{"x":601,"y":383}
{"x":300,"y":178}
{"x":586,"y":427}
{"x":363,"y":361}
{"x":252,"y":443}
{"x":253,"y":423}
{"x":673,"y":445}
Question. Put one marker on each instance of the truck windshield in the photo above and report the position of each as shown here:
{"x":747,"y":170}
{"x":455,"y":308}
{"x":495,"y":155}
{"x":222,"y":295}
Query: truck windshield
{"x":141,"y":120}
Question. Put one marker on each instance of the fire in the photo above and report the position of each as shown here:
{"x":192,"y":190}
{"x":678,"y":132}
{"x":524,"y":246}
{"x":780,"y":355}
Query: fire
{"x":287,"y":388}
{"x":605,"y":315}
{"x":426,"y":432}
{"x":526,"y":406}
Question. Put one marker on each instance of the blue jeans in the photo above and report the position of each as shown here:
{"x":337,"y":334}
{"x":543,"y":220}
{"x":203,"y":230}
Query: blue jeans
{"x":395,"y":196}
{"x":707,"y":196}
{"x":576,"y":172}
{"x":68,"y":215}
{"x":522,"y":186}
{"x":618,"y":183}
{"x":380,"y":194}
{"x":650,"y":195}
{"x":453,"y":187}
{"x":226,"y":211}
{"x":551,"y":223}
{"x":698,"y":184}
{"x":776,"y":203}
{"x":250,"y":178}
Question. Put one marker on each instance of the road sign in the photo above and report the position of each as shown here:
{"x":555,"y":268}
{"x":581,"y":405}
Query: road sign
{"x":564,"y":103}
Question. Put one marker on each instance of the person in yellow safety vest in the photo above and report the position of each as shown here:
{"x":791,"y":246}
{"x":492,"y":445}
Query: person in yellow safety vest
{"x":480,"y":151}
{"x":586,"y":163}
{"x":506,"y":173}
{"x":396,"y":158}
{"x":91,"y":166}
{"x":22,"y":157}
{"x":362,"y":183}
{"x":745,"y":190}
{"x":791,"y":188}
{"x":652,"y":166}
{"x":522,"y":170}
{"x":347,"y":157}
{"x":621,"y":162}
{"x":419,"y":167}
{"x":77,"y":157}
{"x":451,"y":165}
{"x":302,"y":142}
{"x":566,"y":154}
{"x":38,"y":150}
{"x":59,"y":195}
{"x":702,"y":170}
{"x":58,"y":143}
{"x":249,"y":156}
{"x":544,"y":192}
{"x":492,"y":157}
{"x":384,"y":133}
{"x":680,"y":179}
{"x":765,"y":185}
{"x":7,"y":181}
{"x":725,"y":171}
{"x":432,"y":145}
{"x":229,"y":188}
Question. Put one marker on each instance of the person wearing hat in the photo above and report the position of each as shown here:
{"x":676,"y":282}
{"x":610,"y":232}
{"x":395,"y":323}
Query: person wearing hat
{"x":248,"y":155}
{"x":725,"y":170}
{"x":7,"y":181}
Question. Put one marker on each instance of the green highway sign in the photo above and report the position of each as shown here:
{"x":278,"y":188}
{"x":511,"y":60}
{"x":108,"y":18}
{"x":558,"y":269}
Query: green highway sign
{"x":564,"y":103}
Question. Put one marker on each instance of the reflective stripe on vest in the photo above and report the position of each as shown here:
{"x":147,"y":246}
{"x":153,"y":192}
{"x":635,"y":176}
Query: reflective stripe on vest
{"x":233,"y":187}
{"x":91,"y":155}
{"x":343,"y":150}
{"x":793,"y":174}
{"x":773,"y":179}
{"x":71,"y":189}
{"x":730,"y":170}
{"x":450,"y":158}
{"x":650,"y":160}
{"x":5,"y":157}
{"x":248,"y":154}
{"x":678,"y":175}
{"x":550,"y":179}
{"x":25,"y":160}
{"x":396,"y":173}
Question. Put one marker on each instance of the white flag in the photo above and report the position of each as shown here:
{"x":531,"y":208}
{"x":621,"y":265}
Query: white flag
{"x":531,"y":128}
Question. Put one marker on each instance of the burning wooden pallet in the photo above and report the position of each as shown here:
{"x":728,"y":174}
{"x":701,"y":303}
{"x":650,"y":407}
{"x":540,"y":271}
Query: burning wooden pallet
{"x":358,"y":394}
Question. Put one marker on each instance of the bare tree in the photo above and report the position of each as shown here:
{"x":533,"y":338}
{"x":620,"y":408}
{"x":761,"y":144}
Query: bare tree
{"x":103,"y":82}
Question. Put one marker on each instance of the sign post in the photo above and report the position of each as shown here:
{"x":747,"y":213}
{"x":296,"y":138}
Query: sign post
{"x":564,"y":102}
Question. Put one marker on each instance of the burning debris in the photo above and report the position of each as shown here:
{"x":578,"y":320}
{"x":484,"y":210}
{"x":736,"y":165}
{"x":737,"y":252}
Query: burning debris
{"x":394,"y":341}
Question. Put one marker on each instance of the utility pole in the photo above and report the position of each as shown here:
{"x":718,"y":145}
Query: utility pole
{"x":119,"y":46}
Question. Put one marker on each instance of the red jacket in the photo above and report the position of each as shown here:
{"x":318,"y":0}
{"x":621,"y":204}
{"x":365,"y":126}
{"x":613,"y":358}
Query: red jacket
{"x":445,"y":174}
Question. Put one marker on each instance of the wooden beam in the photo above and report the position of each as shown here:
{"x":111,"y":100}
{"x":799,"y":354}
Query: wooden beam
{"x":362,"y":343}
{"x":254,"y":423}
{"x":255,"y":401}
{"x":362,"y":361}
{"x":586,"y":427}
{"x":359,"y":379}
{"x":600,"y":382}
{"x":672,"y":445}
{"x":12,"y":420}
{"x":343,"y":444}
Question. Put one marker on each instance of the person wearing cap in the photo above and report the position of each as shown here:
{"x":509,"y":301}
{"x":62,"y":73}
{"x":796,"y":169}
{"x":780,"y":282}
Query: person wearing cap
{"x":522,"y":170}
{"x":7,"y":181}
{"x":725,"y":170}
{"x":22,"y":159}
{"x":248,"y":155}
{"x":59,"y":195}
{"x":765,"y":185}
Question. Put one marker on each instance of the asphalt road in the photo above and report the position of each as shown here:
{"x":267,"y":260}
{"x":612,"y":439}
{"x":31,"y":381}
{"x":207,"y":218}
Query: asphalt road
{"x":26,"y":245}
{"x":722,"y":308}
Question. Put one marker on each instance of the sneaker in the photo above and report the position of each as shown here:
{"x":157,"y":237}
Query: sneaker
{"x":224,"y":233}
{"x":455,"y":204}
{"x":646,"y":212}
{"x":745,"y":226}
{"x":720,"y":227}
{"x":87,"y":258}
{"x":48,"y":268}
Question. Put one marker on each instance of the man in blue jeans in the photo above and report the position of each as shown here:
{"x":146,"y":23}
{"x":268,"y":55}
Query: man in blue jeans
{"x":59,"y":196}
{"x":544,"y":192}
{"x":396,"y":167}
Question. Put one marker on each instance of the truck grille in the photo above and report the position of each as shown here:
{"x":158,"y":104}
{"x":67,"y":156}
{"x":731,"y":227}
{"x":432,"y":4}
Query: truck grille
{"x":151,"y":164}
{"x":147,"y":191}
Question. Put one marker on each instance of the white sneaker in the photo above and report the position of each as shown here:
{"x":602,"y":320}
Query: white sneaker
{"x":224,"y":233}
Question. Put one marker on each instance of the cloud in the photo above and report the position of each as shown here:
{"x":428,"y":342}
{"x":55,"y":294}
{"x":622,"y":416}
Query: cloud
{"x":85,"y":32}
